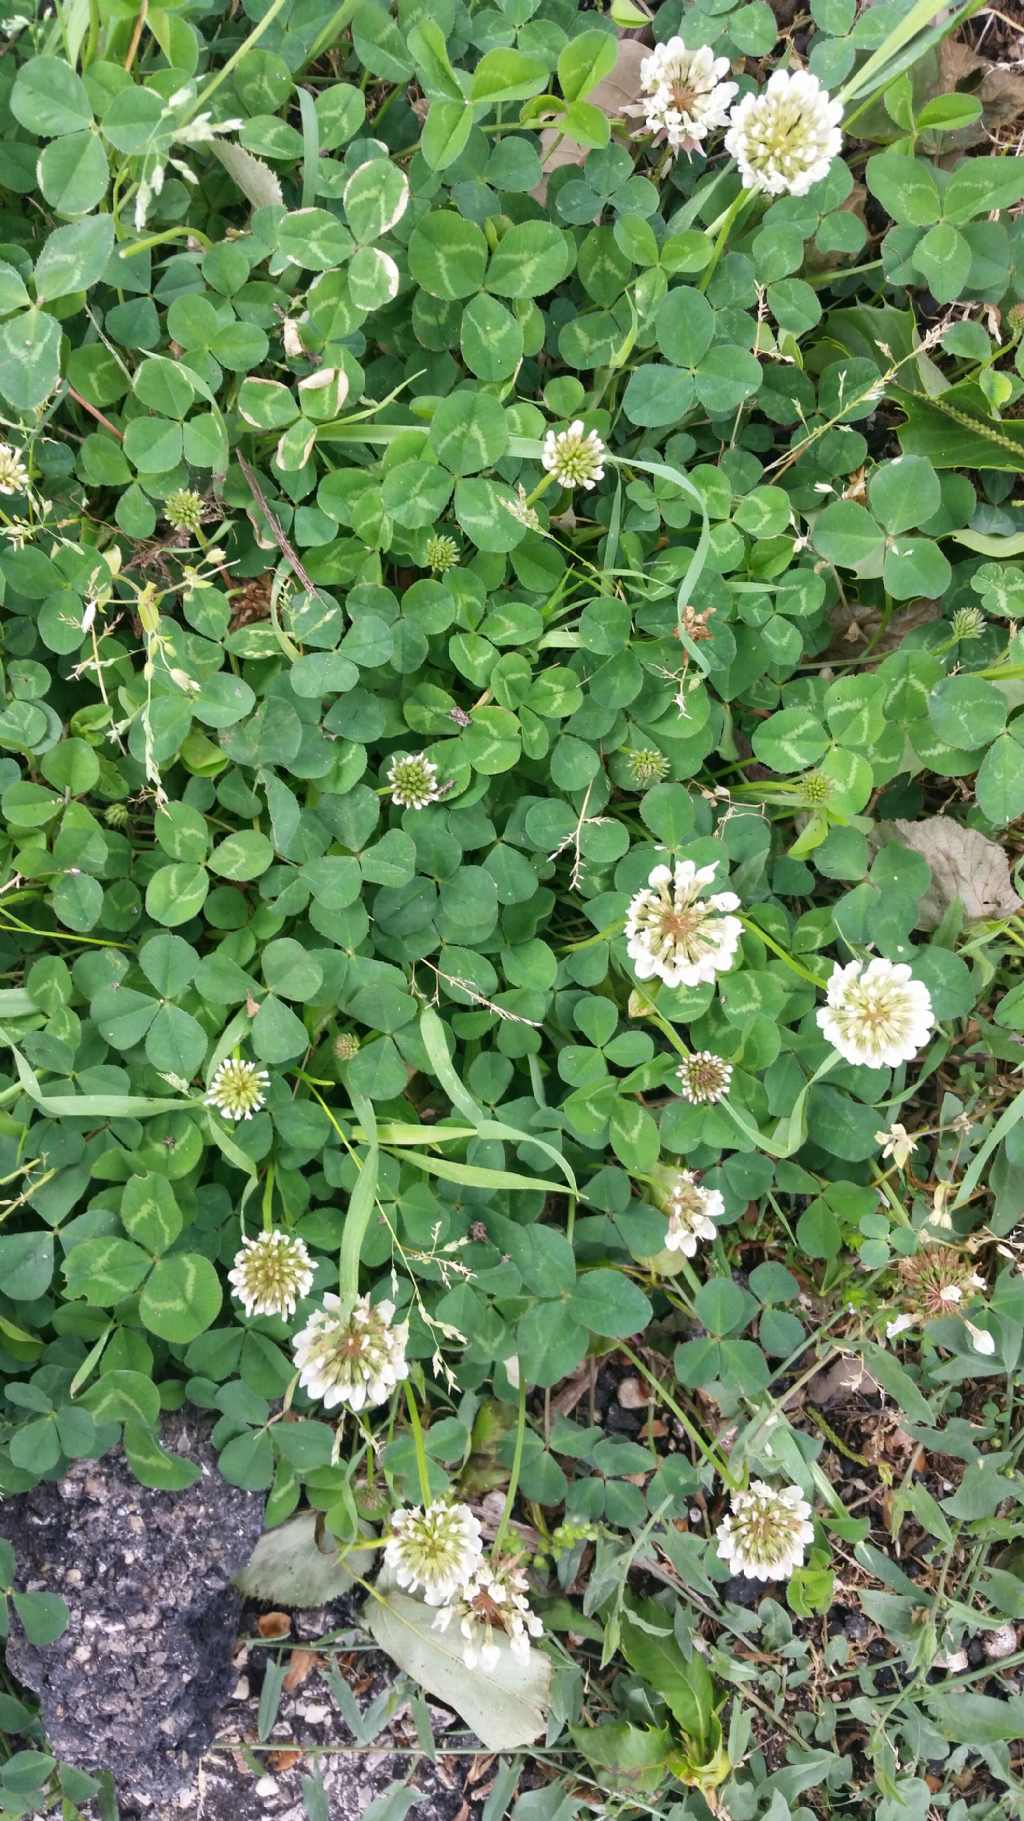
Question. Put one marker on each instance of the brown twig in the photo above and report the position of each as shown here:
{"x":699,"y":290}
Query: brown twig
{"x":137,"y":34}
{"x":275,"y":530}
{"x":98,"y":415}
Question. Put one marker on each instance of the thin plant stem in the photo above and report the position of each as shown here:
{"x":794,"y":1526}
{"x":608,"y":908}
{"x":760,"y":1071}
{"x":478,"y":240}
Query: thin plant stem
{"x":517,"y":1462}
{"x":422,"y":1470}
{"x":710,"y":1454}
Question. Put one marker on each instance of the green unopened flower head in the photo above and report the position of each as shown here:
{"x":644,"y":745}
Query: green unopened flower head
{"x":184,"y":510}
{"x":116,"y":815}
{"x":815,"y":789}
{"x":346,"y":1046}
{"x":647,"y":766}
{"x":967,"y":623}
{"x":566,"y":1536}
{"x":442,"y":554}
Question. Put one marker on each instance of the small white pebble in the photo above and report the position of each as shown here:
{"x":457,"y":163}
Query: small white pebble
{"x":632,"y":1395}
{"x":1001,"y":1643}
{"x":266,"y":1786}
{"x":241,"y":1689}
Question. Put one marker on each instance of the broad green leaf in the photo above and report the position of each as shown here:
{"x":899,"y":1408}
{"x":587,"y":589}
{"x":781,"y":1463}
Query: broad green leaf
{"x":507,"y":75}
{"x":49,"y":99}
{"x":290,"y":1568}
{"x":74,"y":258}
{"x":29,"y":358}
{"x":181,"y":1298}
{"x":73,"y":173}
{"x":906,"y":188}
{"x":26,"y":1265}
{"x":376,"y":197}
{"x":684,"y":1684}
{"x":586,"y":60}
{"x":530,"y":259}
{"x":447,"y":255}
{"x":155,"y":1466}
{"x":505,"y":1706}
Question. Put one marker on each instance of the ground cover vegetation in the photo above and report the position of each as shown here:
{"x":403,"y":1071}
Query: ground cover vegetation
{"x":510,"y":781}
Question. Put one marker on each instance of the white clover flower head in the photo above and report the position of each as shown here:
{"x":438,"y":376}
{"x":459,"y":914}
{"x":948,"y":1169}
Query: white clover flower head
{"x":436,"y":1547}
{"x":492,"y":1603}
{"x":13,"y":472}
{"x":575,"y":456}
{"x":692,"y":1211}
{"x":270,"y":1273}
{"x":355,"y":1358}
{"x":684,"y":95}
{"x":413,"y":781}
{"x":704,"y":1078}
{"x":877,"y":1014}
{"x":675,"y":934}
{"x":785,"y":138}
{"x":238,"y":1089}
{"x":897,"y":1144}
{"x":766,"y":1533}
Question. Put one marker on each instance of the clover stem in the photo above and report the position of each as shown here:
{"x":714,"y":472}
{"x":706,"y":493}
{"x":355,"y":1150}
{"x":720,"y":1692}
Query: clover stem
{"x":783,"y":954}
{"x":422,"y":1470}
{"x":517,"y":1462}
{"x":710,"y":1454}
{"x":724,"y":225}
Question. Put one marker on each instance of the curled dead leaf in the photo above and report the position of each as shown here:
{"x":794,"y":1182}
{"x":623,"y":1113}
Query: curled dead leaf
{"x":273,"y":1625}
{"x":284,"y":1760}
{"x":302,"y":1664}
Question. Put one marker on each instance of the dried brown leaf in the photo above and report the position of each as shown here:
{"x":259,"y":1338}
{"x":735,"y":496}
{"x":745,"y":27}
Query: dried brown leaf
{"x":274,"y":1625}
{"x":964,"y":864}
{"x":1000,"y":91}
{"x":284,"y":1760}
{"x":617,"y":91}
{"x":302,"y":1665}
{"x":845,"y":1377}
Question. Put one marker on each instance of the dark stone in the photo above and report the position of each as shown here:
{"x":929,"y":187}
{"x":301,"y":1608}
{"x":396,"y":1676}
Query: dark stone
{"x":136,"y":1683}
{"x":742,"y":1590}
